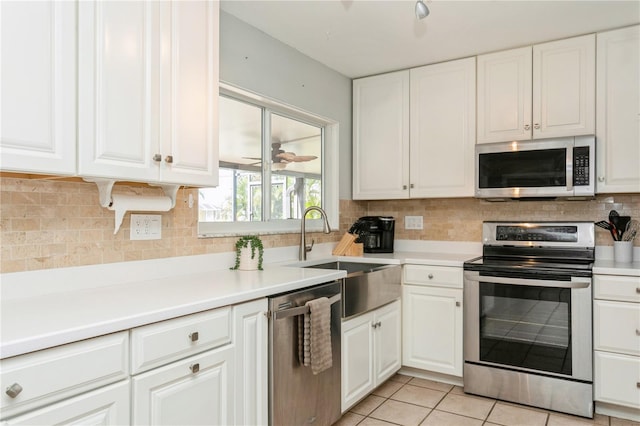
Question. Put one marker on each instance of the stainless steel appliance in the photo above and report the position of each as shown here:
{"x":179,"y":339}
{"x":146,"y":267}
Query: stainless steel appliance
{"x":376,"y":233}
{"x":367,"y":285}
{"x":296,"y":395}
{"x":527,"y":315}
{"x":541,"y":168}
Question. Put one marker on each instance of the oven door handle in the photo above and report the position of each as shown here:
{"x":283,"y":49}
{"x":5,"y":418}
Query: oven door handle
{"x":576,"y":282}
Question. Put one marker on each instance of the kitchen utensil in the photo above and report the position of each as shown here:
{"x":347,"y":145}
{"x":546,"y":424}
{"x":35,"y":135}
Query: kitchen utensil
{"x":621,"y":223}
{"x":632,"y":229}
{"x":603,"y":224}
{"x":613,"y":219}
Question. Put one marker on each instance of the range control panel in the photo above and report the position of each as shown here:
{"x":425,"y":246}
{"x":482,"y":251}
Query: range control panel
{"x":549,"y":234}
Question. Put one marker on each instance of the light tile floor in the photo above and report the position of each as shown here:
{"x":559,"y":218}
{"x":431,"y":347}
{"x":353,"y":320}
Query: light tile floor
{"x":410,"y":401}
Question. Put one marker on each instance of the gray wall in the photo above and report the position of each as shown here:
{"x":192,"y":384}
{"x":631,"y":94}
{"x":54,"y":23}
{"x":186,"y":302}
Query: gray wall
{"x":255,"y":61}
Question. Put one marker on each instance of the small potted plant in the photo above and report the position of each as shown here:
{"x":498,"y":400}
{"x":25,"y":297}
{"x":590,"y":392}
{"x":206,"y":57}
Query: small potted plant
{"x":246,"y":257}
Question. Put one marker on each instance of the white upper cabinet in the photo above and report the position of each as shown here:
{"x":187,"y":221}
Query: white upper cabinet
{"x":618,"y":111}
{"x":38,"y":87}
{"x":541,"y":92}
{"x":504,"y":96}
{"x":432,"y":156}
{"x":381,"y":136}
{"x":443,"y":126}
{"x":148,"y":91}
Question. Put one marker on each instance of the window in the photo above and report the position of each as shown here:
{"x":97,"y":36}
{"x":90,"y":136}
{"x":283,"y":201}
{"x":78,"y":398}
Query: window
{"x":273,"y":165}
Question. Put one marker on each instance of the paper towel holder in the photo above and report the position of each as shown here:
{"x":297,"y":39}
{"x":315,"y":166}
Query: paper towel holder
{"x":105,"y":189}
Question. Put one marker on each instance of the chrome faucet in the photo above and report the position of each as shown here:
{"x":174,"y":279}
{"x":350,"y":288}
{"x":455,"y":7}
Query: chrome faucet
{"x":303,"y":238}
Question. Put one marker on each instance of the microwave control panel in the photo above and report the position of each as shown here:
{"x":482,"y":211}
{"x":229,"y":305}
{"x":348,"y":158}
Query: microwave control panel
{"x":581,"y":166}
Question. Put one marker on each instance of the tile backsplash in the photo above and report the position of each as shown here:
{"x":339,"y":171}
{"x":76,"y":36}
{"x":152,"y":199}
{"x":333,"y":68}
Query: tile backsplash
{"x":49,"y":223}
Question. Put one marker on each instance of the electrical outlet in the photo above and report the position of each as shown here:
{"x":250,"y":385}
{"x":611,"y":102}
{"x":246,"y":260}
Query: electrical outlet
{"x":146,"y":227}
{"x":413,"y":222}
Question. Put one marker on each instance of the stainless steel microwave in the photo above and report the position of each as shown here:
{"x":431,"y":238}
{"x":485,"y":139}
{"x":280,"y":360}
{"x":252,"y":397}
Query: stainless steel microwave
{"x":541,"y":168}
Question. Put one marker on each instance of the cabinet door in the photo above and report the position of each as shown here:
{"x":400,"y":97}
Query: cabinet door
{"x":357,"y":359}
{"x":387,"y":337}
{"x":616,"y":379}
{"x":381,"y":136}
{"x":432,"y":329}
{"x":564,"y":87}
{"x":193,"y":391}
{"x":616,"y":326}
{"x":251,"y":379}
{"x":504,"y":96}
{"x":118,"y":89}
{"x":618,"y":111}
{"x":105,"y":406}
{"x":443,"y":98}
{"x":38,"y":69}
{"x":189,"y":93}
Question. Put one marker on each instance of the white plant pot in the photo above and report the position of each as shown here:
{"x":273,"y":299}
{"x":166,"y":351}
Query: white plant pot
{"x":246,"y":262}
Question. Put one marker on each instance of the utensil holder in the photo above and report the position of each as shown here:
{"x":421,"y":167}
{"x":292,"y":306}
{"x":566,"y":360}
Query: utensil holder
{"x":623,"y":251}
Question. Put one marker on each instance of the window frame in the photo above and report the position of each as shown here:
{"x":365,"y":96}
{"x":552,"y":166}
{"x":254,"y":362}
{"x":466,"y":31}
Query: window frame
{"x":330,"y":173}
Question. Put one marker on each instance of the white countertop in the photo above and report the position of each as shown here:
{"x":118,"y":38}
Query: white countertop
{"x":46,"y":308}
{"x":41,"y":309}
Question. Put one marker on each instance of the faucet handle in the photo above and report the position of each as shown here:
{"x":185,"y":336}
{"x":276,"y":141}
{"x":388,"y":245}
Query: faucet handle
{"x":309,"y":247}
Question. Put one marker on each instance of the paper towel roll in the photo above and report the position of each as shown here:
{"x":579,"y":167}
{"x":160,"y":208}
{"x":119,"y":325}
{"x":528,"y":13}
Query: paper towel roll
{"x":122,"y":204}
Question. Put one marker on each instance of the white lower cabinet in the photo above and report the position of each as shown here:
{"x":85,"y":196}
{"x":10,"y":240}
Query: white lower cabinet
{"x":194,"y":391}
{"x":432,"y":319}
{"x":251,"y":377}
{"x":616,"y":343}
{"x":371,"y":351}
{"x":105,"y":406}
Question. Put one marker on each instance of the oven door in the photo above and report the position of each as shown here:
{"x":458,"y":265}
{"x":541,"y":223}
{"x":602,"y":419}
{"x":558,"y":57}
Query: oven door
{"x":536,"y":325}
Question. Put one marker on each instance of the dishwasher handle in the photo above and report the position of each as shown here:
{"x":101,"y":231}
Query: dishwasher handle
{"x":301,"y":310}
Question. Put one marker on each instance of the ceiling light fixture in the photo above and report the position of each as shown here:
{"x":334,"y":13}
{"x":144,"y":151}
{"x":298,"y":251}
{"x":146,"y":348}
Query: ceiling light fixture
{"x":421,"y":10}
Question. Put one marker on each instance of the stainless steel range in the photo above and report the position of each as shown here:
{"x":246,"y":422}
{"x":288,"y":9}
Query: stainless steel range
{"x":527,"y":315}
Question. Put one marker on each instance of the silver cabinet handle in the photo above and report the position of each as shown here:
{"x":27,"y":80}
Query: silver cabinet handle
{"x":169,"y":159}
{"x":638,"y":290}
{"x":411,"y":186}
{"x":536,"y":126}
{"x":638,"y":385}
{"x":194,"y":336}
{"x":157,"y":157}
{"x":457,"y":304}
{"x":194,"y":367}
{"x":374,"y":325}
{"x":379,"y":324}
{"x":430,"y":276}
{"x":404,"y":186}
{"x":14,"y":390}
{"x":637,"y":332}
{"x":527,"y":126}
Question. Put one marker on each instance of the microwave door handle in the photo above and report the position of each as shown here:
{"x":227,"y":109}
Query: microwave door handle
{"x":569,"y":168}
{"x":576,"y":282}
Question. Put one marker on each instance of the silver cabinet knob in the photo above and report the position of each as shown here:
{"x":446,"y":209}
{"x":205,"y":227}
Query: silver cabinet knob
{"x":637,"y":332}
{"x":194,"y":367}
{"x":168,"y":159}
{"x":457,"y":304}
{"x":638,"y":290}
{"x":430,"y":276}
{"x":411,"y":186}
{"x":536,"y":125}
{"x":600,"y":178}
{"x":404,"y":186}
{"x":157,"y":157}
{"x":194,"y":336}
{"x":14,"y":390}
{"x":527,"y":126}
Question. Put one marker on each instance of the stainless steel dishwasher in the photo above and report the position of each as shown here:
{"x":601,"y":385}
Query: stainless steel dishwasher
{"x":296,"y":395}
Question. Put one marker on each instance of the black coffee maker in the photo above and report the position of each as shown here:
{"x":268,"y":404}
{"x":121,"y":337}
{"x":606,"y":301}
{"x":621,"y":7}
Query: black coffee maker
{"x":376,"y":233}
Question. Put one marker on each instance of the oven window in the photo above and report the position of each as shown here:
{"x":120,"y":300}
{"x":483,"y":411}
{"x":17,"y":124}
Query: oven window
{"x":523,"y":169}
{"x":526,"y":326}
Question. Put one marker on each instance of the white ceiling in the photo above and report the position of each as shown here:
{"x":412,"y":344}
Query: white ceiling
{"x":359,"y":38}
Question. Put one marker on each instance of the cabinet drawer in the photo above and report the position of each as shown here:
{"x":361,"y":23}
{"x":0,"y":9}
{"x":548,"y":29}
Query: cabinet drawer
{"x":616,"y":327}
{"x":617,"y":379}
{"x":160,"y":343}
{"x":441,"y":276}
{"x":53,"y":374}
{"x":613,"y":287}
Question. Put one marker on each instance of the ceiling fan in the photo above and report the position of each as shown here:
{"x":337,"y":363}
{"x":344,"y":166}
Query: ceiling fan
{"x":280,"y":158}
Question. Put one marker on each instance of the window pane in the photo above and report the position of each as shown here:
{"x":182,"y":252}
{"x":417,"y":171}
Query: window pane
{"x":296,"y":161}
{"x":236,"y":198}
